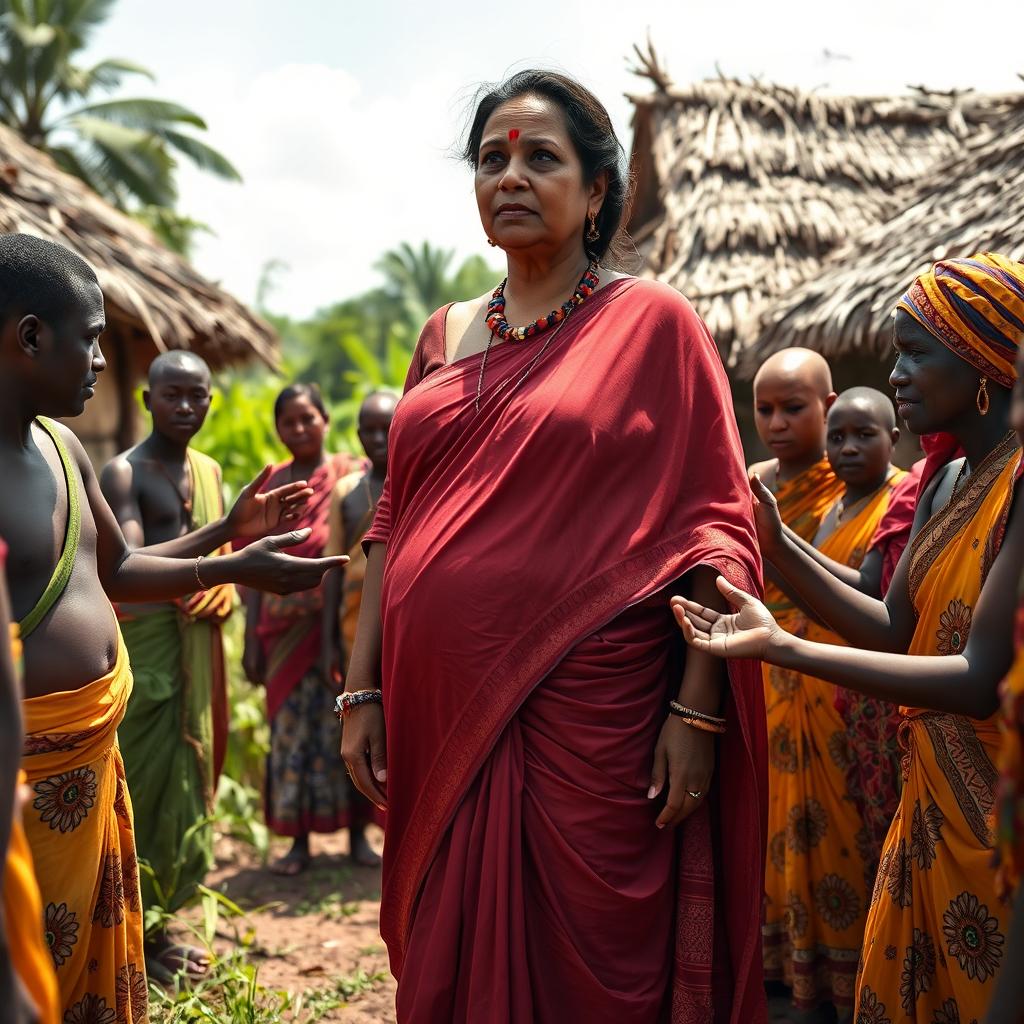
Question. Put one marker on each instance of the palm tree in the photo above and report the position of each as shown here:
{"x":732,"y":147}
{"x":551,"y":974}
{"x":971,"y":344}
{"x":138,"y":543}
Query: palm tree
{"x":418,"y":279}
{"x":124,"y":149}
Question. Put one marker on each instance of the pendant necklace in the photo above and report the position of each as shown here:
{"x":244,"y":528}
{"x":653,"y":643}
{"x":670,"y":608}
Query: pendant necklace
{"x":494,"y":317}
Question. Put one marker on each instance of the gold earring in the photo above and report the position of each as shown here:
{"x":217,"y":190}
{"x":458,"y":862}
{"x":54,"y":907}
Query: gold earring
{"x":491,"y":241}
{"x":981,"y":399}
{"x":593,"y":234}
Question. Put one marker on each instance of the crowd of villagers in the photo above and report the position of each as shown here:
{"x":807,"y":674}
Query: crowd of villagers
{"x":656,"y":734}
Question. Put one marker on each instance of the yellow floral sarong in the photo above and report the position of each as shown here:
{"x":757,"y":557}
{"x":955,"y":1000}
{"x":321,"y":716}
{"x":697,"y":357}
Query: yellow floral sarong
{"x":23,"y":909}
{"x":79,"y":826}
{"x":935,"y":934}
{"x":819,"y":872}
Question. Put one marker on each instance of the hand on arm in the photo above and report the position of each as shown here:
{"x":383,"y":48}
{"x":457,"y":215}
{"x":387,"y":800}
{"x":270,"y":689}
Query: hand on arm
{"x":684,"y":758}
{"x":363,"y":741}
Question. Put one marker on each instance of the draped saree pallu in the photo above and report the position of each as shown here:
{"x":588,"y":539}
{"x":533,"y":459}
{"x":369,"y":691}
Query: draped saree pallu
{"x":174,"y":732}
{"x":527,"y":659}
{"x":307,"y":789}
{"x":820,"y":857}
{"x":935,"y":935}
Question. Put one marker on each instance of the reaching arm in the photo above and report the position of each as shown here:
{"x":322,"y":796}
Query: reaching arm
{"x":254,"y":514}
{"x":964,"y":684}
{"x":140,"y":575}
{"x":867,"y":579}
{"x":880,"y":625}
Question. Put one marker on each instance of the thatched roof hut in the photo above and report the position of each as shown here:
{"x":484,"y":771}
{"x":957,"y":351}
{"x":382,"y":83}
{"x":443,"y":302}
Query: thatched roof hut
{"x":971,"y":203}
{"x":745,"y":188}
{"x":154,"y":299}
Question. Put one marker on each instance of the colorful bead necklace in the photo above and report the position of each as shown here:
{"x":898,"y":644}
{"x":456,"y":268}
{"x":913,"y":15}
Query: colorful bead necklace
{"x":495,"y":314}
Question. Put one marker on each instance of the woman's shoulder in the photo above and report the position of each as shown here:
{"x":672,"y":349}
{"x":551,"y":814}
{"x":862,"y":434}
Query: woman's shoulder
{"x":656,"y":294}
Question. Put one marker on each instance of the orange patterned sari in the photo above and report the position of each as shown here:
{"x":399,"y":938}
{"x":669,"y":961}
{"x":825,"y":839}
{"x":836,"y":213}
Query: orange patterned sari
{"x":819,"y":873}
{"x":79,"y":825}
{"x":935,"y":933}
{"x":23,"y":910}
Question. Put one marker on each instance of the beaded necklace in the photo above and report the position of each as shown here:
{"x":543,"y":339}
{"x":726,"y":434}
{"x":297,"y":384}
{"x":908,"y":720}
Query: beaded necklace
{"x":495,"y":314}
{"x":495,"y":319}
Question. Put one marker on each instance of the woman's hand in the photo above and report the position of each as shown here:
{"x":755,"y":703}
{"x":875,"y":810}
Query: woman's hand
{"x":766,"y":517}
{"x":750,"y":632}
{"x":684,"y":758}
{"x":255,"y":514}
{"x":364,"y":751}
{"x":253,"y":661}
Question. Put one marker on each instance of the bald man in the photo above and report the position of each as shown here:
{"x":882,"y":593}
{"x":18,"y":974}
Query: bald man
{"x":173,"y":735}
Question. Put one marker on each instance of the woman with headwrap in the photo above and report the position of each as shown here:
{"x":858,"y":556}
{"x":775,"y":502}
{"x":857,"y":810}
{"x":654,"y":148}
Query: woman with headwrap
{"x":935,"y":936}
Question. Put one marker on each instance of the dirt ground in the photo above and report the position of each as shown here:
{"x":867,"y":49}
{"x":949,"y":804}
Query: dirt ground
{"x":321,"y":926}
{"x":312,"y":930}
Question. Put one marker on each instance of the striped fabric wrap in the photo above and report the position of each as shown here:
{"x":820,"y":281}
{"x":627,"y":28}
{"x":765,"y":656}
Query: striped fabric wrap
{"x":975,"y":307}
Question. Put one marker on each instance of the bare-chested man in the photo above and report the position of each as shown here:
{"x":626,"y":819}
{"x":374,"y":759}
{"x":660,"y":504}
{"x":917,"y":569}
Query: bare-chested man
{"x":67,"y":560}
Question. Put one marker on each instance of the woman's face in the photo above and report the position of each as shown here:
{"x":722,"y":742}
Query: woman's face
{"x":302,"y":428}
{"x":529,"y":181}
{"x":934,"y":387}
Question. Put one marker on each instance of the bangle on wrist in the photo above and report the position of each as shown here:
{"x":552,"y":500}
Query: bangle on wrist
{"x":199,"y":579}
{"x":696,"y":719}
{"x":347,"y":702}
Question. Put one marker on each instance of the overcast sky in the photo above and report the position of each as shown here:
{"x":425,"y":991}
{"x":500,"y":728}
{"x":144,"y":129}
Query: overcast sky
{"x":341,"y":116}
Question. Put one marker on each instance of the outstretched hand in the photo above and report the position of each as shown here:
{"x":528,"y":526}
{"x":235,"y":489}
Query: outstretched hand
{"x":255,"y":514}
{"x":750,"y":632}
{"x":766,"y":515}
{"x":264,"y":565}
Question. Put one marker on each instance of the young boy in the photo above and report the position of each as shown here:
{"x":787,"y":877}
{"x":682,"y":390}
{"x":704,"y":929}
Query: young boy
{"x":175,"y":728}
{"x":353,"y":505}
{"x":67,"y":560}
{"x":821,"y":861}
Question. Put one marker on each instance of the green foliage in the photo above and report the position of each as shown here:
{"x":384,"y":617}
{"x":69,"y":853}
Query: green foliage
{"x":125,"y":149}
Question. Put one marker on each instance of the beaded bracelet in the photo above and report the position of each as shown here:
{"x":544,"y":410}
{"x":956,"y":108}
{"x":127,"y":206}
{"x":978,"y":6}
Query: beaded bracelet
{"x":199,"y":579}
{"x":347,"y":702}
{"x":675,"y":708}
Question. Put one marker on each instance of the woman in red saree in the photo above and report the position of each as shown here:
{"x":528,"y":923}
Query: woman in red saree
{"x":559,"y":847}
{"x":306,"y":786}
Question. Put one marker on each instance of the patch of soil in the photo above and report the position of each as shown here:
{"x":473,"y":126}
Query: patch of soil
{"x":314,"y":929}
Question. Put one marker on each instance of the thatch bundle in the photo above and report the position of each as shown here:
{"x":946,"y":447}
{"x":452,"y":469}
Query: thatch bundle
{"x":744,"y":188}
{"x":973,"y":202}
{"x":151,"y":293}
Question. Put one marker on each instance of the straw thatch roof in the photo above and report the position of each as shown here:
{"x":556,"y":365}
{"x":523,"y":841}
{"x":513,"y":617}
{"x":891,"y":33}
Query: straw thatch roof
{"x":972,"y":203}
{"x":148,"y":289}
{"x":743,"y":189}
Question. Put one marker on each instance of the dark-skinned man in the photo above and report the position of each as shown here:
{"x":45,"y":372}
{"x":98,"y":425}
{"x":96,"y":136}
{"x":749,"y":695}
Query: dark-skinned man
{"x":67,"y":560}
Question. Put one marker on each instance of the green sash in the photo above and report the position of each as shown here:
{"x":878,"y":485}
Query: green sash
{"x":72,"y":532}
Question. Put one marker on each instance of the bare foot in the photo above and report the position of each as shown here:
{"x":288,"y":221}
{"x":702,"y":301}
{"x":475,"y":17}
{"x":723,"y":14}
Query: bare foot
{"x":293,"y":863}
{"x":361,"y":851}
{"x":166,"y":959}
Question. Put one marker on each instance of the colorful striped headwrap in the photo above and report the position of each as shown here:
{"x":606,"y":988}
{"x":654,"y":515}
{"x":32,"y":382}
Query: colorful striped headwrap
{"x":975,"y":307}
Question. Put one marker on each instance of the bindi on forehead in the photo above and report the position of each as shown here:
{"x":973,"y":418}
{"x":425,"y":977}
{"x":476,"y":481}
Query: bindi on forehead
{"x":513,"y":134}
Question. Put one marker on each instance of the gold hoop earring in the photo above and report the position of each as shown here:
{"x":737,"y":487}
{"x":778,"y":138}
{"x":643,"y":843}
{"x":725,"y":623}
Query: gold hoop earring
{"x":981,"y":399}
{"x":593,"y":234}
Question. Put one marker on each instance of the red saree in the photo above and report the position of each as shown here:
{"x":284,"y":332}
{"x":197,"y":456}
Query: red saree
{"x":525,"y":676}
